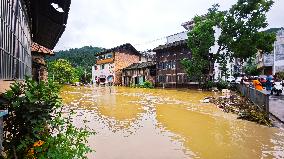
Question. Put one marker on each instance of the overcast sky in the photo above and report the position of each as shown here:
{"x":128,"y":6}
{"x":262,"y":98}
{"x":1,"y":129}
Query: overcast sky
{"x":109,"y":23}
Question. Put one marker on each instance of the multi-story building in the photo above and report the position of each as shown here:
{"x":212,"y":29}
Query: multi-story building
{"x":21,"y":23}
{"x":264,"y":63}
{"x":169,"y":69}
{"x":279,"y":52}
{"x":109,"y":64}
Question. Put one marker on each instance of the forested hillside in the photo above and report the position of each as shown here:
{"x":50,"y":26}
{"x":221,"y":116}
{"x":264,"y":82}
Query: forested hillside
{"x":84,"y":57}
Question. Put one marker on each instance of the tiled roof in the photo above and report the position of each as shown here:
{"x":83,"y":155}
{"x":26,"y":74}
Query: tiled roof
{"x":40,"y":49}
{"x":140,"y":65}
{"x":174,"y":44}
{"x":125,"y":47}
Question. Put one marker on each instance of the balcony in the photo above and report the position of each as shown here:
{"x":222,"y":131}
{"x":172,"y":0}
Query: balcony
{"x":103,"y":61}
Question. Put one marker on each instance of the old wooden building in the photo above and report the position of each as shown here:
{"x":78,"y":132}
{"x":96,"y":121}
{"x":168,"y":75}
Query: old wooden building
{"x":109,"y":64}
{"x":138,"y":73}
{"x":21,"y":23}
{"x":170,"y":72}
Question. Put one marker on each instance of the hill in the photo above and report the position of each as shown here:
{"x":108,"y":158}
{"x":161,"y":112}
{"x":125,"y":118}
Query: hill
{"x":84,"y":57}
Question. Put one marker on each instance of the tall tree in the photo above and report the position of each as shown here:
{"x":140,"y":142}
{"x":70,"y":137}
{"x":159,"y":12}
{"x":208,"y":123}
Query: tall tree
{"x":200,"y":40}
{"x":241,"y":36}
{"x":61,"y":71}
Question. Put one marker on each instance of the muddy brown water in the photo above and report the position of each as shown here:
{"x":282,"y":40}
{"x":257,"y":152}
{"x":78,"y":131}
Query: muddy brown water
{"x":132,"y":123}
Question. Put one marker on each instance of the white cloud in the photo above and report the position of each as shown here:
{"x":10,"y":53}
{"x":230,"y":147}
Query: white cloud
{"x":110,"y":23}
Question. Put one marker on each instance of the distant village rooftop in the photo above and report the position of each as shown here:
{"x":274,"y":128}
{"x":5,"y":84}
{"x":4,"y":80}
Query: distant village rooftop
{"x":140,"y":65}
{"x":170,"y":45}
{"x":122,"y":48}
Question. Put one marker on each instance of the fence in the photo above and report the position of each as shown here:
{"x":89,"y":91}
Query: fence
{"x":257,"y":97}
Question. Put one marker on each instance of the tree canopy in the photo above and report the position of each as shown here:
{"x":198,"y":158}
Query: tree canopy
{"x":240,"y":36}
{"x":84,"y":57}
{"x":61,"y":71}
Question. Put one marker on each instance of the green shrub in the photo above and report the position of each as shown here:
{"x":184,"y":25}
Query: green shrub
{"x":147,"y":84}
{"x":208,"y":85}
{"x":35,"y":128}
{"x":221,"y":84}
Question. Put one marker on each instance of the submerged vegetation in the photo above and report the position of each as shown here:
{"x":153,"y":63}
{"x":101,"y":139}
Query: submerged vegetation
{"x":244,"y":108}
{"x":35,"y":126}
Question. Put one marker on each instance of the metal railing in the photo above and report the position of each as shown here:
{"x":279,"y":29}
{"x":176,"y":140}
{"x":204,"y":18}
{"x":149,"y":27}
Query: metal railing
{"x":257,"y":97}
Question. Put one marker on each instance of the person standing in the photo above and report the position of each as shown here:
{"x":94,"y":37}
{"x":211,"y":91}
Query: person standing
{"x":257,"y":84}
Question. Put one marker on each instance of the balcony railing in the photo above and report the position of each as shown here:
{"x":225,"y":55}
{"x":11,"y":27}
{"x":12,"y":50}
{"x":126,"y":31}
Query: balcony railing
{"x":103,"y":61}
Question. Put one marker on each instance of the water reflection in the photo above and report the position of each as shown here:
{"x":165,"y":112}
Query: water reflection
{"x":156,"y":123}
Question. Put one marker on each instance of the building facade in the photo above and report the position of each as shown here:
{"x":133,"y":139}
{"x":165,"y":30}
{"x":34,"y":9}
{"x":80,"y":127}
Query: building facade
{"x":279,"y":52}
{"x":15,"y":42}
{"x":264,"y":63}
{"x":169,"y":69}
{"x":138,"y":73}
{"x":21,"y":23}
{"x":111,"y":62}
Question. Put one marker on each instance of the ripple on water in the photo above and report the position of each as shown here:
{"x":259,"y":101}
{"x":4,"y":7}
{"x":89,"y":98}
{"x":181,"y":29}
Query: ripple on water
{"x":156,"y":123}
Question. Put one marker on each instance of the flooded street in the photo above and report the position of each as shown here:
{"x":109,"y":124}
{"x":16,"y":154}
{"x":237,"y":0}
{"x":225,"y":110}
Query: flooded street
{"x":134,"y":123}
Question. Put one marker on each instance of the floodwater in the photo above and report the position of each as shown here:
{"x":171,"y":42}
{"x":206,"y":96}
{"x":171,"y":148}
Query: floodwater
{"x":132,"y":123}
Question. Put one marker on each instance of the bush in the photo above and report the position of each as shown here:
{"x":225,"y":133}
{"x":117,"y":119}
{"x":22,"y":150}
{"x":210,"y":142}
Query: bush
{"x":208,"y":85}
{"x":147,"y":84}
{"x":35,"y":128}
{"x":280,"y":75}
{"x":222,"y":85}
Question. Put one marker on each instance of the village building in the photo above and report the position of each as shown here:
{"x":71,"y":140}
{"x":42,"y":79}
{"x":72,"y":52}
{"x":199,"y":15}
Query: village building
{"x":278,"y":65}
{"x":264,"y":63}
{"x":170,"y":72}
{"x":111,"y":62}
{"x":39,"y":66}
{"x":138,"y":73}
{"x":21,"y":23}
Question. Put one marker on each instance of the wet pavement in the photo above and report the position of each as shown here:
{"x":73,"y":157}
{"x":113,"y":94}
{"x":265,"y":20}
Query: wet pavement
{"x":133,"y":123}
{"x":276,"y":106}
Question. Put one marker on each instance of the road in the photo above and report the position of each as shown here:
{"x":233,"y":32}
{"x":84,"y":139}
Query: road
{"x":276,"y":106}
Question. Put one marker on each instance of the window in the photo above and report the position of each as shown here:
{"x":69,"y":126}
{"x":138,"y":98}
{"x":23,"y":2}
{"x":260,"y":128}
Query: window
{"x":102,"y":66}
{"x":109,"y":55}
{"x":15,"y":41}
{"x":173,"y":64}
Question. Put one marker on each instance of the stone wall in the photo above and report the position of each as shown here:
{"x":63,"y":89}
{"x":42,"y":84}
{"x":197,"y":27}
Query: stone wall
{"x":39,"y":69}
{"x":121,"y":61}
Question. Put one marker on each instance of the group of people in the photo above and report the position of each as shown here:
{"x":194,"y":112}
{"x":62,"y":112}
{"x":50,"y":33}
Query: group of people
{"x":260,"y":83}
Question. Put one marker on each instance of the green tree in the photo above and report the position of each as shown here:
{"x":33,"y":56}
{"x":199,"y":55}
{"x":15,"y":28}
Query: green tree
{"x":35,"y":126}
{"x":62,"y":71}
{"x":251,"y":68}
{"x":241,"y":36}
{"x":79,"y":57}
{"x":200,"y":40}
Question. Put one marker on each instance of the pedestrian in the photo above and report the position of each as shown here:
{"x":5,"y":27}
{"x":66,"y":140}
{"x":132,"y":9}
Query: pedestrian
{"x":257,"y":84}
{"x":269,"y":84}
